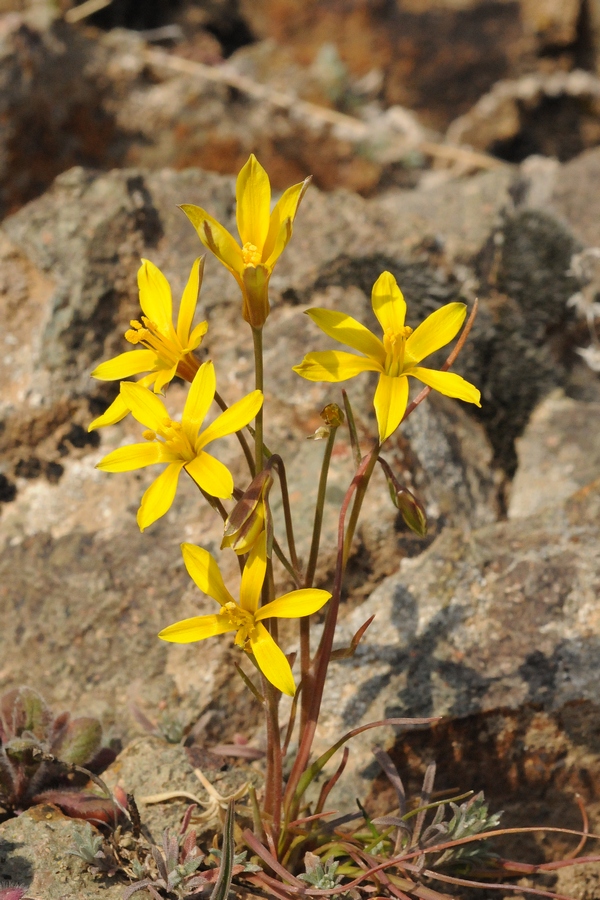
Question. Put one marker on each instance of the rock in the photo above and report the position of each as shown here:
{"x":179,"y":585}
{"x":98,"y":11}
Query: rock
{"x":558,"y":454}
{"x":499,"y":618}
{"x":35,"y":851}
{"x":408,"y":41}
{"x":149,"y":767}
{"x":46,"y":94}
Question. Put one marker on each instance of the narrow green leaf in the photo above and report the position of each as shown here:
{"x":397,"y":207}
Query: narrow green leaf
{"x":223,"y":882}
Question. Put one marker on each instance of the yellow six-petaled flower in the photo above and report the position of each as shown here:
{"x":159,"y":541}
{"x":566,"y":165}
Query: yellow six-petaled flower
{"x":395,"y":357}
{"x":264,"y":236}
{"x":179,"y":444}
{"x":247,"y":616}
{"x":167,"y":351}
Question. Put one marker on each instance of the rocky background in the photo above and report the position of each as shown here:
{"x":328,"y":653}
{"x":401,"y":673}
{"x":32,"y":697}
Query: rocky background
{"x":455,"y":144}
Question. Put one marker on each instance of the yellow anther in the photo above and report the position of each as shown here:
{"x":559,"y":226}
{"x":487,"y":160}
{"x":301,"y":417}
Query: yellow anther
{"x":149,"y":435}
{"x":166,"y":422}
{"x":406,"y":332}
{"x":250,"y":254}
{"x":133,"y":337}
{"x":135,"y":324}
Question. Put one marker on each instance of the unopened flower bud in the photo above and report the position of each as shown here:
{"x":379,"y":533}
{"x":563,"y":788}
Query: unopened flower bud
{"x":250,"y":516}
{"x":411,"y":510}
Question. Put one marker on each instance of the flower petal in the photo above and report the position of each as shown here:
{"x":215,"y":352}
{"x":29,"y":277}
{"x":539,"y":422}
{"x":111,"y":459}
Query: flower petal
{"x":195,"y":629}
{"x":448,"y":383}
{"x":189,"y":299}
{"x":158,"y":498}
{"x":436,"y":331}
{"x":155,"y":297}
{"x":145,"y":406}
{"x":348,"y":331}
{"x":334,"y":365}
{"x":233,"y":419}
{"x":255,"y":291}
{"x":253,"y":575}
{"x":198,"y":401}
{"x":211,"y":475}
{"x":253,"y":195}
{"x":204,"y":571}
{"x":117,"y":410}
{"x":164,"y":377}
{"x":294,"y":605}
{"x":272,"y":660}
{"x":197,"y":334}
{"x":388,"y":303}
{"x":216,"y":238}
{"x":132,"y":456}
{"x":132,"y":362}
{"x":390,"y":402}
{"x":282,"y":220}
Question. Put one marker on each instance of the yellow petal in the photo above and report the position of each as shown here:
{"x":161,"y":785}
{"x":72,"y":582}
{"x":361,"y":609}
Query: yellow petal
{"x":158,"y":498}
{"x":233,"y":419}
{"x":391,"y":398}
{"x":155,"y":296}
{"x":216,"y":238}
{"x":294,"y":605}
{"x":117,"y":410}
{"x":334,"y":365}
{"x":132,"y":362}
{"x":132,"y":456}
{"x":448,"y":383}
{"x":198,"y":401}
{"x":348,"y":331}
{"x":253,"y":195}
{"x":436,"y":331}
{"x":255,"y":308}
{"x":253,"y":575}
{"x":164,"y":377}
{"x":204,"y":571}
{"x":195,"y":629}
{"x":211,"y":475}
{"x":388,"y":303}
{"x":189,"y":299}
{"x":145,"y":406}
{"x":197,"y":334}
{"x":282,"y":220}
{"x":272,"y":660}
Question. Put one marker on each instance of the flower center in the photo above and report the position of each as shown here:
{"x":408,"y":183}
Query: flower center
{"x":239,"y":619}
{"x":149,"y":336}
{"x":395,"y":344}
{"x":174,"y":438}
{"x":251,"y":254}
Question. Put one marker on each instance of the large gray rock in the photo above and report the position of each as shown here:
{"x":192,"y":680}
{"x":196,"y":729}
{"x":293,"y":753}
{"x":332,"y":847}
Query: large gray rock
{"x":502,"y":617}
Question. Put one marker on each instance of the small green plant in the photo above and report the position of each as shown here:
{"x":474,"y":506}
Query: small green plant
{"x":170,"y":869}
{"x":38,"y":751}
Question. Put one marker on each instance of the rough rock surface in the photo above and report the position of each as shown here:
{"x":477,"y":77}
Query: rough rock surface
{"x":558,"y":453}
{"x":501,"y":617}
{"x":35,"y":852}
{"x":409,"y":41}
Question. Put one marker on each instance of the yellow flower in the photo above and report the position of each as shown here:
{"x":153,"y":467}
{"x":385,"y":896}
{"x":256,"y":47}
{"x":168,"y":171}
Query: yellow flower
{"x":179,"y":443}
{"x":245,"y":617}
{"x":167,"y":350}
{"x":395,"y":358}
{"x":264,"y":236}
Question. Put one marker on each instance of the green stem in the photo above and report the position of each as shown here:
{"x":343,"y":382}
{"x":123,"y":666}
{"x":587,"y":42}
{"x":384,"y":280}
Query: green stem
{"x":305,"y":672}
{"x":259,"y":380}
{"x":320,"y":505}
{"x":361,"y":491}
{"x":276,"y":461}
